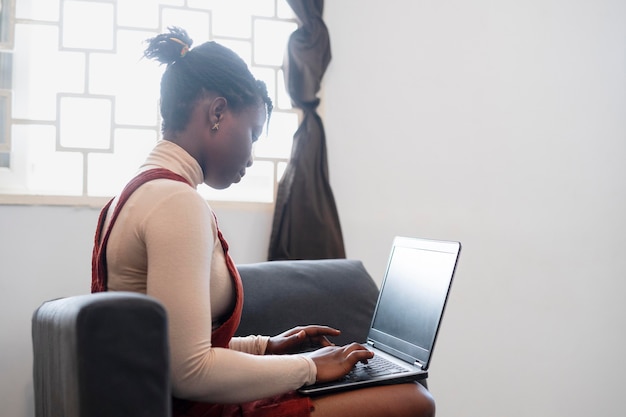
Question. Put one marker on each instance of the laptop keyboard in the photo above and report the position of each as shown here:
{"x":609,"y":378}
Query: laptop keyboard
{"x":375,"y":367}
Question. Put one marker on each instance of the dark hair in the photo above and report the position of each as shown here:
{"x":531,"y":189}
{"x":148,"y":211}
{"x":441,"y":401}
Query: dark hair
{"x":190,"y":73}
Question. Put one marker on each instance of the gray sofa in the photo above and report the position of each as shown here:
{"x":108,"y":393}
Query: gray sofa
{"x":106,"y":354}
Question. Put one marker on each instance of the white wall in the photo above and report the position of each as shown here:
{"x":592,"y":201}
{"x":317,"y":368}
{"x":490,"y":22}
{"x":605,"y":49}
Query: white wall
{"x":501,"y":124}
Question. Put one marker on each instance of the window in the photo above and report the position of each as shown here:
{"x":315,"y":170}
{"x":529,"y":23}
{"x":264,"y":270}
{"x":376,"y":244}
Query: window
{"x":79,"y":104}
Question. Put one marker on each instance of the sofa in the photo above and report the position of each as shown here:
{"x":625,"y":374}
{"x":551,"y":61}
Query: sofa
{"x":106,"y":354}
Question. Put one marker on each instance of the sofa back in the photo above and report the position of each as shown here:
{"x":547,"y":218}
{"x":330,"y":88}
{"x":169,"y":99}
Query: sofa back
{"x":279,"y":295}
{"x":107,"y":354}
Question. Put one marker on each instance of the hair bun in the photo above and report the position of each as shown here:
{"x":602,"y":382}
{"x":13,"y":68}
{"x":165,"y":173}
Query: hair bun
{"x":168,"y":47}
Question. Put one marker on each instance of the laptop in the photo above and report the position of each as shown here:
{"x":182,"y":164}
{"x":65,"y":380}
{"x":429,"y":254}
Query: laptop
{"x":408,"y":314}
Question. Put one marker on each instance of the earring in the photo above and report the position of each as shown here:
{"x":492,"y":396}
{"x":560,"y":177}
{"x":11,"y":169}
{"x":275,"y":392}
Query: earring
{"x":216,"y":125}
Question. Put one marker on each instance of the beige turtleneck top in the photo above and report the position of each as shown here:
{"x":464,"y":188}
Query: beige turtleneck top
{"x":165,"y":244}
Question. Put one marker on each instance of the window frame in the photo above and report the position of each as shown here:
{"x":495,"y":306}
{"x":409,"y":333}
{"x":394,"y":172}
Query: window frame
{"x":91,"y":201}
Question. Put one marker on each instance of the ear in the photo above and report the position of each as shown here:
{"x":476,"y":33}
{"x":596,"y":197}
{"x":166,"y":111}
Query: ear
{"x":217,"y":108}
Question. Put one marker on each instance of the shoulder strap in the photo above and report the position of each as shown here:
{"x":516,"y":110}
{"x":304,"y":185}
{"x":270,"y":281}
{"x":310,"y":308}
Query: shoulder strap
{"x":220,"y":336}
{"x":98,"y":257}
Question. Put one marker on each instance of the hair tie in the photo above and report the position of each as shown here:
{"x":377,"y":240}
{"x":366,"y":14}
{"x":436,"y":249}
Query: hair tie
{"x":185,"y":49}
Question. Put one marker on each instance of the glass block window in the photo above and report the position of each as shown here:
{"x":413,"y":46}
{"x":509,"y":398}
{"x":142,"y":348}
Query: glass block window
{"x":6,"y":45}
{"x":79,"y":104}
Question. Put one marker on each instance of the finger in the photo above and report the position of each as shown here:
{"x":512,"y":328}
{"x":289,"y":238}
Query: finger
{"x":359,"y":349}
{"x":354,"y":346}
{"x":323,"y":342}
{"x":291,"y":332}
{"x":321,"y":331}
{"x":360,"y":356}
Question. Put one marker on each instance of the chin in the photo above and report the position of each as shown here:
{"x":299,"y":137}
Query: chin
{"x":222,"y":185}
{"x":218,"y":185}
{"x":226,"y":185}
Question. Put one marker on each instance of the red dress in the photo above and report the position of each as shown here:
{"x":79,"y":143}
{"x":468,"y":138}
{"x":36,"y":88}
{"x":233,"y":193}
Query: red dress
{"x":289,"y":404}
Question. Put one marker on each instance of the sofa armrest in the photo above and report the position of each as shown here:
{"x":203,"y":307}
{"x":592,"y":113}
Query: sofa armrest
{"x":101,"y":355}
{"x":279,"y":295}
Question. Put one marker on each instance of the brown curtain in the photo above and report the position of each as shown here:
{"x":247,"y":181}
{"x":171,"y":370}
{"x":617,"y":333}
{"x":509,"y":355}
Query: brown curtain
{"x":306,"y":223}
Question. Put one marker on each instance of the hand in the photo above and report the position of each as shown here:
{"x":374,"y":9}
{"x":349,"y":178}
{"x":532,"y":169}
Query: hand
{"x":333,"y":362}
{"x":299,"y":339}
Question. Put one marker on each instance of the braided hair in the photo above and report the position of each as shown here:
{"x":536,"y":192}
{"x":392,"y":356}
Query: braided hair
{"x":191,"y":73}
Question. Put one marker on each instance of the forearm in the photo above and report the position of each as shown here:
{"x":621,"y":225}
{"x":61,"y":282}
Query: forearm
{"x":228,"y":376}
{"x":255,"y":345}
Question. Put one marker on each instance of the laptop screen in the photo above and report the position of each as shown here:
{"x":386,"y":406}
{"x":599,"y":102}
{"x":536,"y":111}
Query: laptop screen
{"x":413,"y":296}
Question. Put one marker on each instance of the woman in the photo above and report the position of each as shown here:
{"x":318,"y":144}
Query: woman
{"x":159,"y":237}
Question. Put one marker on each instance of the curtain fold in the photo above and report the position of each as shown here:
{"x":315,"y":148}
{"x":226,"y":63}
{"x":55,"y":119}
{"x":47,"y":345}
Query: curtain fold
{"x":306,"y":222}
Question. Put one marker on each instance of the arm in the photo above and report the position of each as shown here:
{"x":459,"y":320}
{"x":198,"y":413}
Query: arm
{"x":298,"y":339}
{"x":255,"y":345}
{"x":180,"y":242}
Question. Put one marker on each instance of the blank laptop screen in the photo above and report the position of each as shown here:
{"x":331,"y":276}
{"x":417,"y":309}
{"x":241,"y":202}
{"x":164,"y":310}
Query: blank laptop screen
{"x":413,"y":296}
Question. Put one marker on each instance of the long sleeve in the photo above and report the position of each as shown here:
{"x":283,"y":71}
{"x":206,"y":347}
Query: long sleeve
{"x":164,"y":244}
{"x":255,"y":345}
{"x":183,"y":260}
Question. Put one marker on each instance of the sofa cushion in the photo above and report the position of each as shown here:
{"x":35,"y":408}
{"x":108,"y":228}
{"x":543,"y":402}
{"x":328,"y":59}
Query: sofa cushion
{"x":279,"y":295}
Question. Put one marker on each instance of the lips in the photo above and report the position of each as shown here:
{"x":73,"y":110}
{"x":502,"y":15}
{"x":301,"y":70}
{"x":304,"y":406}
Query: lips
{"x":240,"y":175}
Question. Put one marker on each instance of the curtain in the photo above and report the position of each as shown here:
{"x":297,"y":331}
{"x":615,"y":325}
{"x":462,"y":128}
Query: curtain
{"x":306,"y":223}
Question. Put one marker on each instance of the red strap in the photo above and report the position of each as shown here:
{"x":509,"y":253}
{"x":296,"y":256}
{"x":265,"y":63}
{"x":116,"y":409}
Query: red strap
{"x":98,"y":257}
{"x":221,"y":336}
